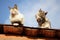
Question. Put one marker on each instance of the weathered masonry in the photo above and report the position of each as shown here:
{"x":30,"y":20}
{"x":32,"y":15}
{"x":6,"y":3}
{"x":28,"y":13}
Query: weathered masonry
{"x":30,"y":31}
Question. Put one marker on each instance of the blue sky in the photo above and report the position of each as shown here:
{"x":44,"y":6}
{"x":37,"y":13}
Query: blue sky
{"x":29,"y":8}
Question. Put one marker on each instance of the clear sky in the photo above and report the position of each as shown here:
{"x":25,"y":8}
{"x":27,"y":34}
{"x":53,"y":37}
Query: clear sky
{"x":29,"y":8}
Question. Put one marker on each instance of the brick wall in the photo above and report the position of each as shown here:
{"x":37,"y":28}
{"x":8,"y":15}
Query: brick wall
{"x":25,"y":32}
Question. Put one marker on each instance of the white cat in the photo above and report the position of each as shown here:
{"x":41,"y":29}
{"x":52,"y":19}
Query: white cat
{"x":16,"y":16}
{"x":43,"y":21}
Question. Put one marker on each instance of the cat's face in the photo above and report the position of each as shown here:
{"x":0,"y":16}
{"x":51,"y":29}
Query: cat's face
{"x":13,"y":10}
{"x":42,"y":14}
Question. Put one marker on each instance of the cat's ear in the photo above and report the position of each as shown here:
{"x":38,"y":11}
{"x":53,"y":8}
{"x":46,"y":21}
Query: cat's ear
{"x":9,"y":7}
{"x":15,"y":6}
{"x":46,"y":13}
{"x":40,"y":10}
